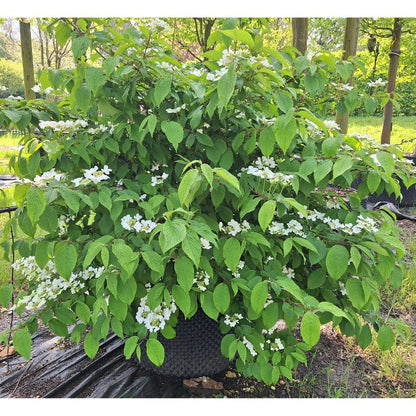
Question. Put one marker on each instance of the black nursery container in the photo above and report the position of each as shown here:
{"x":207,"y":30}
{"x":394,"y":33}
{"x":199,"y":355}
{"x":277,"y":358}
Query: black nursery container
{"x":194,"y":352}
{"x":409,"y":194}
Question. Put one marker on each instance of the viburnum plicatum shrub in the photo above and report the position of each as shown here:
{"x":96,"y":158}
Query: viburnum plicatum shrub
{"x":155,"y":188}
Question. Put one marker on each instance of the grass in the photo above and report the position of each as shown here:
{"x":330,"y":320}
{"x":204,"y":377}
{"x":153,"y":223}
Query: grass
{"x":7,"y":140}
{"x":404,"y":129}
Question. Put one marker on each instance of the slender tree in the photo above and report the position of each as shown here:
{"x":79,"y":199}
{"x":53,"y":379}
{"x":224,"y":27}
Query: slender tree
{"x":391,"y":79}
{"x":352,"y":27}
{"x":300,"y":33}
{"x":27,"y":58}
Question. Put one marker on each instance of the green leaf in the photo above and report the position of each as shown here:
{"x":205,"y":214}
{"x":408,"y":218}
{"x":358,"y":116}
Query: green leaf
{"x":58,"y":327}
{"x":337,"y":261}
{"x":232,"y":253}
{"x":266,"y":214}
{"x":365,"y":336}
{"x":241,"y":35}
{"x":259,"y":296}
{"x":22,"y":341}
{"x":322,"y":170}
{"x":182,"y":299}
{"x":285,"y":130}
{"x":208,"y":306}
{"x":343,"y":164}
{"x":228,"y":177}
{"x":155,"y":351}
{"x":91,"y":345}
{"x":208,"y":173}
{"x":188,"y":187}
{"x":330,"y":307}
{"x":270,"y":315}
{"x":154,"y":261}
{"x":386,"y":161}
{"x":221,"y":297}
{"x":83,"y":311}
{"x":355,"y":292}
{"x":82,"y":96}
{"x":191,"y":245}
{"x":71,"y":199}
{"x":162,"y":89}
{"x":36,"y":204}
{"x":185,"y":273}
{"x":126,"y":257}
{"x":79,"y":46}
{"x":6,"y":293}
{"x":66,"y":257}
{"x":173,"y":131}
{"x":130,"y":346}
{"x":310,"y":328}
{"x":226,"y":85}
{"x":95,"y":78}
{"x":267,"y":141}
{"x":171,"y":234}
{"x":385,"y":337}
{"x":373,"y":181}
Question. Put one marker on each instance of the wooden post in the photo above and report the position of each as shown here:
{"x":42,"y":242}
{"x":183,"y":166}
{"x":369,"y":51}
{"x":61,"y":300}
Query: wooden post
{"x":27,"y":58}
{"x":391,"y":80}
{"x":352,"y":27}
{"x":300,"y":33}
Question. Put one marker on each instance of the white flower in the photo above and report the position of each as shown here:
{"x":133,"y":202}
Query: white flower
{"x":342,"y":289}
{"x":290,"y":273}
{"x":157,"y":180}
{"x":205,"y":243}
{"x":36,"y":88}
{"x":249,"y":346}
{"x":95,"y":175}
{"x":176,"y":110}
{"x":201,"y":280}
{"x":154,"y":320}
{"x":377,"y":83}
{"x":331,"y":125}
{"x":233,"y":320}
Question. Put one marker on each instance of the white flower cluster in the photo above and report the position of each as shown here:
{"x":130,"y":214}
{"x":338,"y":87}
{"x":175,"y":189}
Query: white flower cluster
{"x":158,"y":179}
{"x":233,"y":320}
{"x":266,"y":121}
{"x":201,"y":280}
{"x":292,"y":227}
{"x":331,"y":125}
{"x":48,"y":176}
{"x":229,"y":56}
{"x":233,"y":227}
{"x":262,"y":168}
{"x":64,"y":125}
{"x":289,"y":272}
{"x":3,"y":88}
{"x":38,"y":88}
{"x":249,"y":346}
{"x":275,"y":345}
{"x":137,"y":223}
{"x":176,"y":109}
{"x":205,"y":243}
{"x":49,"y":285}
{"x":377,"y":83}
{"x":94,"y":175}
{"x":159,"y":25}
{"x":63,"y":223}
{"x":343,"y":87}
{"x":240,"y":266}
{"x":101,"y":129}
{"x":154,"y":320}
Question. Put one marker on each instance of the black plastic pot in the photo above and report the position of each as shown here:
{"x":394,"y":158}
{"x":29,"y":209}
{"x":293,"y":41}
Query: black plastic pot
{"x":409,"y":194}
{"x":194,"y":352}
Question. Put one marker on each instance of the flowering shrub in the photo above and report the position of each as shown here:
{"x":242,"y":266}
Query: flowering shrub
{"x":157,"y":188}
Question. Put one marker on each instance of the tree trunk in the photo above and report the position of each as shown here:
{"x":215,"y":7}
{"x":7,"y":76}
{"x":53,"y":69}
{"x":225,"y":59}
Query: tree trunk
{"x":300,"y":33}
{"x":27,"y":58}
{"x":349,"y":48}
{"x":391,"y":80}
